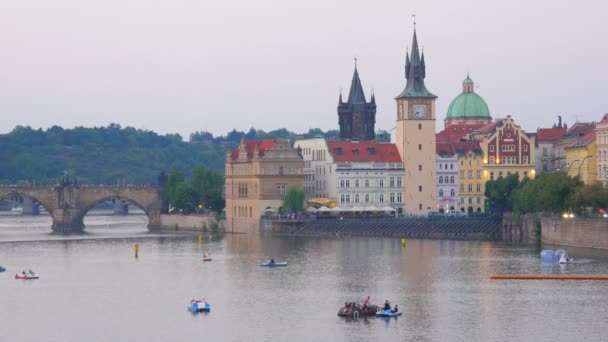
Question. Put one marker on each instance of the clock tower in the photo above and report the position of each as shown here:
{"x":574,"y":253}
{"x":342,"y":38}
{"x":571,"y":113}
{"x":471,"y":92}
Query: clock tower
{"x":415,"y":136}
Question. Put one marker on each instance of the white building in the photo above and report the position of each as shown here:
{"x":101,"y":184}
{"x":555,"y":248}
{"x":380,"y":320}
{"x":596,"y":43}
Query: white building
{"x":362,"y":175}
{"x":447,"y":176}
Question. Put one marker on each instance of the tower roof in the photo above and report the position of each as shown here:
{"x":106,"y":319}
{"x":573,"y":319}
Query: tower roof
{"x":468,"y":105}
{"x":415,"y":72}
{"x":356,"y":95}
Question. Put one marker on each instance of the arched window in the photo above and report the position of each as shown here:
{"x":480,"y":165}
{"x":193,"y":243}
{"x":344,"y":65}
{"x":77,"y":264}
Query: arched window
{"x":440,"y":192}
{"x":440,"y":179}
{"x":357,"y":198}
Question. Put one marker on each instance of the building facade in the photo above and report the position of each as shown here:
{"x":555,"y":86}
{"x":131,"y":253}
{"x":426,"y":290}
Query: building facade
{"x":447,"y":177}
{"x":258,"y":174}
{"x":356,"y":116}
{"x":363,"y":176}
{"x":506,"y":149}
{"x":415,"y":136}
{"x":601,"y":141}
{"x":547,"y":152}
{"x":581,"y":158}
{"x":471,"y":177}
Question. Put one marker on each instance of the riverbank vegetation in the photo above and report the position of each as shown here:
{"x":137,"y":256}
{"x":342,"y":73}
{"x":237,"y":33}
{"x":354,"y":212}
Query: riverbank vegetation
{"x":551,"y":192}
{"x":201,"y":193}
{"x":115,"y":154}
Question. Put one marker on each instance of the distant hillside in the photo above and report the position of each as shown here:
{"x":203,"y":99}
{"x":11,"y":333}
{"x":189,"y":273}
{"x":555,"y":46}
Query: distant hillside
{"x":111,"y":154}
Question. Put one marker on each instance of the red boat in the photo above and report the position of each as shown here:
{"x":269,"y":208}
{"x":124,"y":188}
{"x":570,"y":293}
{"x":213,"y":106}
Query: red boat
{"x":26,"y":276}
{"x":356,"y":310}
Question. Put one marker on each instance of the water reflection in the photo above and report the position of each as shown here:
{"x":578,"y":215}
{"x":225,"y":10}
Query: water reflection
{"x":442,"y":288}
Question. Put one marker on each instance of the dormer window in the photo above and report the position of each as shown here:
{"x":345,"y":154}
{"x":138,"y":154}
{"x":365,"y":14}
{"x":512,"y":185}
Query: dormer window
{"x":371,"y":151}
{"x":339,"y":151}
{"x":355,"y":152}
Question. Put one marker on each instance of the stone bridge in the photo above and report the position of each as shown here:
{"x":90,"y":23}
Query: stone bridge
{"x":68,"y":203}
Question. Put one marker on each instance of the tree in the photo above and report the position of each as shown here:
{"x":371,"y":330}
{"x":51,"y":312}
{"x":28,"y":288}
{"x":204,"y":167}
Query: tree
{"x":294,"y":199}
{"x":500,"y":191}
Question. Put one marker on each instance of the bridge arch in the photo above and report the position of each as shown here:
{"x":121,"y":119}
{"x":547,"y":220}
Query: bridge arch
{"x":68,"y":203}
{"x":42,"y":198}
{"x":85,"y":209}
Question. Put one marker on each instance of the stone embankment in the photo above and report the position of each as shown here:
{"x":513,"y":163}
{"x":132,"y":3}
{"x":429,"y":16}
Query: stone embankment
{"x":450,"y":228}
{"x":186,"y":223}
{"x":556,"y":230}
{"x":576,"y":232}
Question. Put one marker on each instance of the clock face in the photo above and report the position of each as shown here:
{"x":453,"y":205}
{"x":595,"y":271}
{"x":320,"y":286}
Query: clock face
{"x":419,"y":111}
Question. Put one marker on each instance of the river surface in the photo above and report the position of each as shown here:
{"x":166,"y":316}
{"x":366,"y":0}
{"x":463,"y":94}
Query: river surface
{"x":92,"y":288}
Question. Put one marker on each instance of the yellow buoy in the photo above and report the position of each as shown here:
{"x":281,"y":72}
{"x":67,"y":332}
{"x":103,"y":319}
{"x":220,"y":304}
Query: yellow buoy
{"x":403,"y":241}
{"x":200,"y":238}
{"x":136,"y":248}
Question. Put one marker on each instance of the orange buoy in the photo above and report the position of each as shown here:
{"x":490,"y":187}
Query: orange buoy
{"x":549,"y":277}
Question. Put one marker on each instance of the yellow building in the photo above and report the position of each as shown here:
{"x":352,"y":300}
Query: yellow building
{"x":471,"y":180}
{"x":258,"y":174}
{"x":601,"y":141}
{"x":581,"y":158}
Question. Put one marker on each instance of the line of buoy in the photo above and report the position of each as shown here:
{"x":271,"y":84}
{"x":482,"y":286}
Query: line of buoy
{"x":549,"y":277}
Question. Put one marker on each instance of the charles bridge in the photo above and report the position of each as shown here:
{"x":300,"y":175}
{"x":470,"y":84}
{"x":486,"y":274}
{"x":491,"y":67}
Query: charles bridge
{"x":68,"y":203}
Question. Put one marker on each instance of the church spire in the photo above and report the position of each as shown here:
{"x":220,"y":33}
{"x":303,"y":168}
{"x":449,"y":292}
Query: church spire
{"x":415,"y":72}
{"x":356,"y":94}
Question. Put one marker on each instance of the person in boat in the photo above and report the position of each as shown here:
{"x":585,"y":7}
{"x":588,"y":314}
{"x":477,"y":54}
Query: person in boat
{"x":272,"y":261}
{"x":31,"y":272}
{"x":387,"y":305}
{"x":395,"y":310}
{"x":366,"y":302}
{"x":23,"y":273}
{"x":204,"y":256}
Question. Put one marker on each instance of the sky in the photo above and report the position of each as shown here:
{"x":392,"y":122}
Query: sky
{"x":179,"y":66}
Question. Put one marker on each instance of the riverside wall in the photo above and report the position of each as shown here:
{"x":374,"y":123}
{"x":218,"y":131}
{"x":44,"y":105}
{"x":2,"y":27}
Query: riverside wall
{"x":185,"y":223}
{"x":576,"y":232}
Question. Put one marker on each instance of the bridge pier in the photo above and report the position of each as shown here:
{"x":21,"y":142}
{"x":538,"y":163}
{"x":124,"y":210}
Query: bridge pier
{"x":66,"y":221}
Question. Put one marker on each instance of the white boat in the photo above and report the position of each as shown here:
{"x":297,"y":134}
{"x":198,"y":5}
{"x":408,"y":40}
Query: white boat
{"x":563,"y":259}
{"x":16,"y":210}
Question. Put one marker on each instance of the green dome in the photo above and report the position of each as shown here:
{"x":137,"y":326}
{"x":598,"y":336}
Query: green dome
{"x":468,"y":105}
{"x":467,"y":80}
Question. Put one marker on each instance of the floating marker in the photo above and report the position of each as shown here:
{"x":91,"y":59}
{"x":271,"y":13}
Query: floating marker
{"x":136,"y":249}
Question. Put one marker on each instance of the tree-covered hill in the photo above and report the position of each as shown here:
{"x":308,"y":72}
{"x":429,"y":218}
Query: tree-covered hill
{"x":115,"y":154}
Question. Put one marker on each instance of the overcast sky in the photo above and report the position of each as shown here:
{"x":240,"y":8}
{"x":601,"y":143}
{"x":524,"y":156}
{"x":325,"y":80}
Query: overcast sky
{"x":178,"y":66}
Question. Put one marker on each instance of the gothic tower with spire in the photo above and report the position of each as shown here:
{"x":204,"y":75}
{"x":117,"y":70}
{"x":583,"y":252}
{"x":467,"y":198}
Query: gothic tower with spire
{"x":415,"y":135}
{"x":357,"y":117}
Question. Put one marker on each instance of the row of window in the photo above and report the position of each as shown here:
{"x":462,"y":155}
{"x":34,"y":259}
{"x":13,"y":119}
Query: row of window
{"x":509,"y":148}
{"x":470,"y":200}
{"x":470,"y":174}
{"x":379,"y":183}
{"x":449,"y":180}
{"x":376,"y":198}
{"x":239,"y":211}
{"x":445,"y":166}
{"x":470,"y":188}
{"x":452,"y":193}
{"x":510,"y":160}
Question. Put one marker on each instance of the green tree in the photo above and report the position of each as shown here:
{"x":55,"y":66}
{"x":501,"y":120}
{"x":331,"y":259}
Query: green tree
{"x":500,"y":191}
{"x":294,"y":199}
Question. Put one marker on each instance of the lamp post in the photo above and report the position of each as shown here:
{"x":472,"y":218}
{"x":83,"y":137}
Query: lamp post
{"x":578,"y":173}
{"x":570,"y":165}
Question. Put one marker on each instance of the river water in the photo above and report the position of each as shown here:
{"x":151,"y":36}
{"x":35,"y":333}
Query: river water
{"x":92,"y":288}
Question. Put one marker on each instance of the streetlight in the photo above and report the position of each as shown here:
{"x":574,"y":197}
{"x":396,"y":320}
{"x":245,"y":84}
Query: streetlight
{"x":578,"y":173}
{"x":570,"y":165}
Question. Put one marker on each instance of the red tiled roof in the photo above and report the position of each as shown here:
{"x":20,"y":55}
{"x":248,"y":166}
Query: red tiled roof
{"x":456,"y":132}
{"x":583,"y":141}
{"x":579,"y":129}
{"x":250,"y":146}
{"x":363,"y":151}
{"x":466,"y":146}
{"x":550,"y":134}
{"x":491,"y":127}
{"x":444,"y":149}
